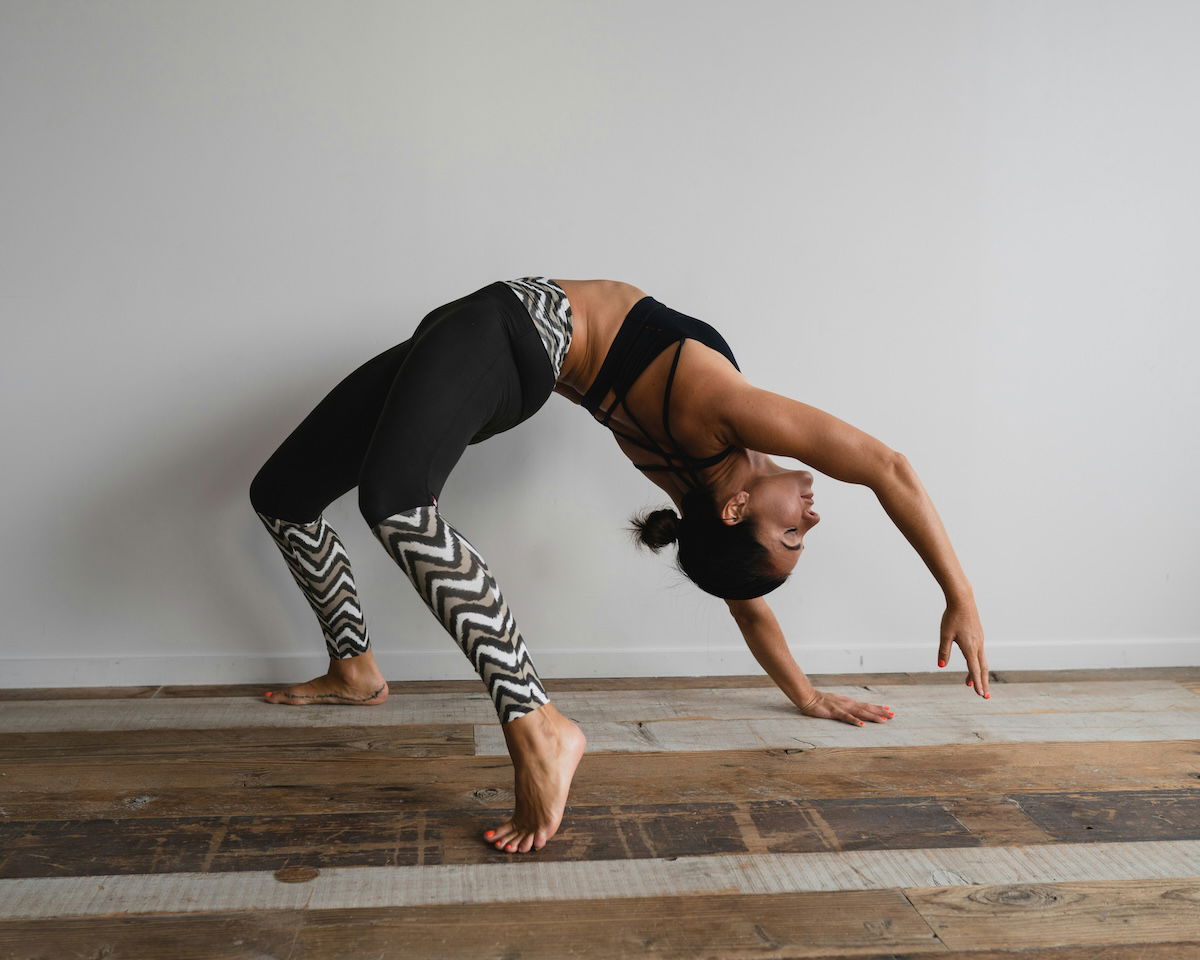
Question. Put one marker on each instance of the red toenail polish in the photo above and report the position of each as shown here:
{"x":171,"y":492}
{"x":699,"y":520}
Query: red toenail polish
{"x":268,"y":693}
{"x":489,"y":833}
{"x":941,"y":663}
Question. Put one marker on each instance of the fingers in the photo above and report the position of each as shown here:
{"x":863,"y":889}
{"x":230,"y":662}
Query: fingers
{"x":862,"y":712}
{"x":977,"y":676}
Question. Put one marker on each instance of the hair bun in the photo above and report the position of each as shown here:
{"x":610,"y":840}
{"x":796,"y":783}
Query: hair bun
{"x":656,"y":528}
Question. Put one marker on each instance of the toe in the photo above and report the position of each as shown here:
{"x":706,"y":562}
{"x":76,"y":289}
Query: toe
{"x":526,"y":843}
{"x":501,"y":836}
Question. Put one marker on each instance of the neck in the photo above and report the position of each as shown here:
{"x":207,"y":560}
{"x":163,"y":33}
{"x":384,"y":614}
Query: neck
{"x":736,"y":472}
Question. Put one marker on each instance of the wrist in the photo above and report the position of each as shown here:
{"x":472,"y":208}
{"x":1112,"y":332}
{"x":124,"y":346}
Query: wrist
{"x":806,"y":697}
{"x":959,"y":595}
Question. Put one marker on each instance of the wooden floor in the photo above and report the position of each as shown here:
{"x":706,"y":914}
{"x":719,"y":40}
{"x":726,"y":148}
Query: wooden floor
{"x":1059,"y":820}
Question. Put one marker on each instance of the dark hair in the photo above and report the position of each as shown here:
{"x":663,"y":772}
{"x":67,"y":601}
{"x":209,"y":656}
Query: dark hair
{"x":723,"y":559}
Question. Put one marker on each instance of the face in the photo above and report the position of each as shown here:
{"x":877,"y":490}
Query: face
{"x":781,"y":506}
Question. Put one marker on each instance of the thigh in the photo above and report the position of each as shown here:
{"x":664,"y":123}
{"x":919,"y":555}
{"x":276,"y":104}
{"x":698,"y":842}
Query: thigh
{"x":458,"y":381}
{"x":320,"y":460}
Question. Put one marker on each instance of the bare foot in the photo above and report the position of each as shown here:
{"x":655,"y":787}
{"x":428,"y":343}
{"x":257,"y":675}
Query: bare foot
{"x":546,"y":747}
{"x":356,"y":681}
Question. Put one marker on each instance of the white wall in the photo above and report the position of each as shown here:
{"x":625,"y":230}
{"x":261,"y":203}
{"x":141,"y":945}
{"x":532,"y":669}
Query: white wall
{"x":968,"y":228}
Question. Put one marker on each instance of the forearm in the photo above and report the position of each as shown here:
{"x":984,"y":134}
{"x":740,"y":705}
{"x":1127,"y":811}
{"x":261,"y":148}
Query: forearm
{"x":766,"y":641}
{"x":904,"y":499}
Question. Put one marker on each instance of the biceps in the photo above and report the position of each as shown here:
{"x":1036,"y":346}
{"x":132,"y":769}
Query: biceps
{"x":774,"y":424}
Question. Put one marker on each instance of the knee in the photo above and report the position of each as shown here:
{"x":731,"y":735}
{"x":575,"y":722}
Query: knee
{"x":379,"y":499}
{"x":273,"y":495}
{"x":262,"y":496}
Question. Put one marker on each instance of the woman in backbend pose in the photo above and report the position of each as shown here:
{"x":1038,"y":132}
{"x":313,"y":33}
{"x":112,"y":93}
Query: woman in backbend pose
{"x":668,"y":387}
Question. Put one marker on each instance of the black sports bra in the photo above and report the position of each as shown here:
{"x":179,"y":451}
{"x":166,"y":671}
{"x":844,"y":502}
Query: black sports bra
{"x":648,"y":329}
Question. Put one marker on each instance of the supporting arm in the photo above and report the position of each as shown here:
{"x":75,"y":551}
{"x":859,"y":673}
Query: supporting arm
{"x":766,"y":641}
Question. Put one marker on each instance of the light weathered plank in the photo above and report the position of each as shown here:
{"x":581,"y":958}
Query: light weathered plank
{"x":526,"y":879}
{"x":910,"y":730}
{"x":916,"y":703}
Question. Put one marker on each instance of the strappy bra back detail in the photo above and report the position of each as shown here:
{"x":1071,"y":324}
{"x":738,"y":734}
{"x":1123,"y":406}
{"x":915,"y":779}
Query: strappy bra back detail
{"x":550,"y":311}
{"x":648,"y":329}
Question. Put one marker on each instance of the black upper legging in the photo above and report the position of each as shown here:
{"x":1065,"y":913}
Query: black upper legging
{"x":397,"y":425}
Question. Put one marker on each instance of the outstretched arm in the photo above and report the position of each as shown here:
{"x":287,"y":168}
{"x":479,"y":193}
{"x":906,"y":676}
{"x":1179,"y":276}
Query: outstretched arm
{"x":774,"y":424}
{"x":766,"y":641}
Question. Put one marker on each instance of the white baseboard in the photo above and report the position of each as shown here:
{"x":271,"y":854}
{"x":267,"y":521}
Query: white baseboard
{"x":450,"y":664}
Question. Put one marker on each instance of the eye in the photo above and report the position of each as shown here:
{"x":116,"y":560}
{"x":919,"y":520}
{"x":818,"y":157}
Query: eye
{"x":790,"y":530}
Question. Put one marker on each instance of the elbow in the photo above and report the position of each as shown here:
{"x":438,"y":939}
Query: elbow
{"x":891,"y":465}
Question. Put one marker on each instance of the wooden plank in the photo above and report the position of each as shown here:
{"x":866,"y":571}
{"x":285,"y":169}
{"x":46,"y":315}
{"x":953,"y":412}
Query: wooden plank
{"x":527,"y":878}
{"x":921,"y":704}
{"x":241,"y":744}
{"x":743,"y":927}
{"x":1036,"y":914}
{"x":1178,"y":673}
{"x":1124,"y":814}
{"x":200,"y":780}
{"x":594,"y":832}
{"x":910,"y":730}
{"x":951,"y":675}
{"x":795,"y":925}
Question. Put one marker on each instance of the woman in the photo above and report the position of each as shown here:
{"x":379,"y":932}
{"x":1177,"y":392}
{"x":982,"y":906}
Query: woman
{"x":669,"y":388}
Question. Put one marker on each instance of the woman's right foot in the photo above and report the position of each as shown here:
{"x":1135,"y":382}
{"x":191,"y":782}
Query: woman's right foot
{"x":356,"y":682}
{"x":546,"y":747}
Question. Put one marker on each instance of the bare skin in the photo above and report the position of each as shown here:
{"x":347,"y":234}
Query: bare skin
{"x":712,"y":407}
{"x":545,"y":747}
{"x":355,"y":681}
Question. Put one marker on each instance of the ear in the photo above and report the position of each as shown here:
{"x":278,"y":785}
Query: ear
{"x":734,"y":510}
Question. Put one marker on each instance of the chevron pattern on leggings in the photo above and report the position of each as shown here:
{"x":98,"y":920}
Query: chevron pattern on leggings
{"x":550,"y":311}
{"x":321,"y":568}
{"x":459,"y":589}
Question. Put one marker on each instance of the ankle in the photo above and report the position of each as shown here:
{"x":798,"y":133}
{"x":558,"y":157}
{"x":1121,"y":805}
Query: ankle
{"x":536,"y":725}
{"x":363,"y":665}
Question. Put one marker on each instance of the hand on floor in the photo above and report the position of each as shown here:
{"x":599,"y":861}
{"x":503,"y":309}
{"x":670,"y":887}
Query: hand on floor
{"x":834,"y":706}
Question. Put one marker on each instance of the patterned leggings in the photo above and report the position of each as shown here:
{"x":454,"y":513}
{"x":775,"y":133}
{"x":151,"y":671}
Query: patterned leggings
{"x":395,"y":428}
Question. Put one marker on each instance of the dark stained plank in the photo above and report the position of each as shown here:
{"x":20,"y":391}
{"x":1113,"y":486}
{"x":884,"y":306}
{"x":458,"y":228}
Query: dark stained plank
{"x":1115,"y":815}
{"x":884,"y":823}
{"x":1049,"y":914}
{"x":593,"y":833}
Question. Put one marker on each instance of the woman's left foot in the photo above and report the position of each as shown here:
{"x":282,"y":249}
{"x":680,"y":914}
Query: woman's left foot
{"x":356,"y":682}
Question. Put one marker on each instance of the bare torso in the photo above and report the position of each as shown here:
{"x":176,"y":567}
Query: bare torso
{"x":598,"y":308}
